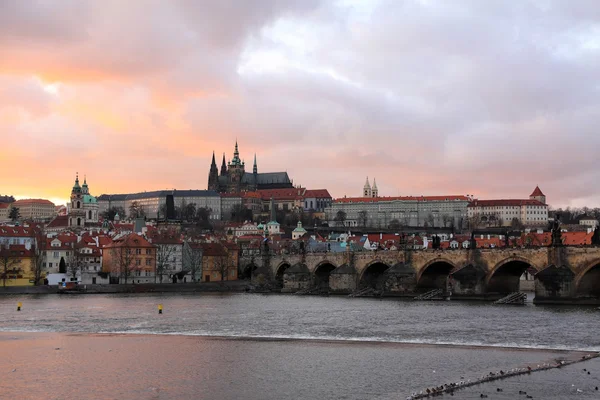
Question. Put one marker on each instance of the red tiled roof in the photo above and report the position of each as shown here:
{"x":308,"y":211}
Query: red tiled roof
{"x":537,"y":192}
{"x":248,"y":195}
{"x":239,"y":195}
{"x":34,"y":201}
{"x":317,"y":193}
{"x":5,"y":205}
{"x":577,"y":238}
{"x":61,"y":221}
{"x":402,"y":198}
{"x":282,"y":194}
{"x":213,"y":249}
{"x":374,"y":237}
{"x":131,"y":240}
{"x":504,"y":203}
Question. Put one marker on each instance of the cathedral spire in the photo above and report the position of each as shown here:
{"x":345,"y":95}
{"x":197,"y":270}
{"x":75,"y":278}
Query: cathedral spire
{"x":367,"y":188}
{"x":223,"y":166}
{"x":213,"y":160}
{"x":255,"y":168}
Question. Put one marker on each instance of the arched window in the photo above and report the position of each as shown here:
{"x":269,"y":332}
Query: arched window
{"x":78,"y":221}
{"x":78,"y":205}
{"x":90,"y":217}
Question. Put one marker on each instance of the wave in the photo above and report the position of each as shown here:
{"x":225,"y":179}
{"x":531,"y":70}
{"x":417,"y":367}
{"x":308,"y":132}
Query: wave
{"x":319,"y":338}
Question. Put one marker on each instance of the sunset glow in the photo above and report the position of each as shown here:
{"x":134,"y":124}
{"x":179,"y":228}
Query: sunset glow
{"x":428,"y":97}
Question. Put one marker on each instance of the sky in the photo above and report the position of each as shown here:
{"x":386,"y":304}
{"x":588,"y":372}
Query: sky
{"x":430,"y":97}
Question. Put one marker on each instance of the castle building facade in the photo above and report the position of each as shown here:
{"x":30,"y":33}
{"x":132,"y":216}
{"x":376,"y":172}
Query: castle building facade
{"x":233,"y":178}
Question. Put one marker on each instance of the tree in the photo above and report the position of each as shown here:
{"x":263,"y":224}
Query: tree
{"x":394,"y":225}
{"x":474,"y":221}
{"x":239,"y":213}
{"x":203,"y":217}
{"x":75,"y":265}
{"x":123,"y":260}
{"x":222,"y":263}
{"x":446,"y":220}
{"x":9,"y":263}
{"x":516,"y":224}
{"x":430,"y":221}
{"x":112,"y":211}
{"x":340,"y":218}
{"x":164,"y":253}
{"x":14,"y":214}
{"x":188,"y":211}
{"x":192,"y":255}
{"x":136,"y":210}
{"x":363,"y":217}
{"x":37,"y":262}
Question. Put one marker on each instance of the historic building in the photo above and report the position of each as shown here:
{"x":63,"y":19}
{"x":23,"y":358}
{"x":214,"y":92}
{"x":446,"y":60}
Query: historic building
{"x":233,"y":177}
{"x":383,"y":212}
{"x":36,"y":209}
{"x":83,"y":208}
{"x":370,"y":191}
{"x":505,"y":212}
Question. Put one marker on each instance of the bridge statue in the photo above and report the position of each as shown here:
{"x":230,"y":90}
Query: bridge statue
{"x":596,"y":236}
{"x":556,"y":232}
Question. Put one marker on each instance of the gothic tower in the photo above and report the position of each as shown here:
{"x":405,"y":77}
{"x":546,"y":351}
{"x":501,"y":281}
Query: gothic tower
{"x":374,"y":190}
{"x":367,"y":189}
{"x":255,"y":168}
{"x":538,"y":195}
{"x":223,"y":167}
{"x":213,"y":175}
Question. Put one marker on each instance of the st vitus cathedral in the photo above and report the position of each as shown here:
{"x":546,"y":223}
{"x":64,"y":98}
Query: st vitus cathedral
{"x":233,"y":177}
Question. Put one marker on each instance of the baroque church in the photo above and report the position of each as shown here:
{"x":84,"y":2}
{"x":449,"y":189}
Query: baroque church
{"x":233,"y":177}
{"x":83,"y":209}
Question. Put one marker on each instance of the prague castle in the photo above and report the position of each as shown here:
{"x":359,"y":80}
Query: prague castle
{"x":233,"y":177}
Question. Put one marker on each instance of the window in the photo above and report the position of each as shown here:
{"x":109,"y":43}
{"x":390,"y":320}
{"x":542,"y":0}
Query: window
{"x":148,"y":261}
{"x":56,"y":254}
{"x":138,"y":251}
{"x":148,"y":251}
{"x":49,"y":265}
{"x":138,"y":262}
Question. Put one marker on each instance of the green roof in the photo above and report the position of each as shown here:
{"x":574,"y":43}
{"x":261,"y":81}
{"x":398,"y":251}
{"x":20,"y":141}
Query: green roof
{"x":88,"y":198}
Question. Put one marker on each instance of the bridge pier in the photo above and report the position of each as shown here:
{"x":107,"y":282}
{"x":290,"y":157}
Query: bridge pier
{"x":469,"y":283}
{"x":400,"y":280}
{"x":342,"y":280}
{"x":296,"y":278}
{"x":555,"y":285}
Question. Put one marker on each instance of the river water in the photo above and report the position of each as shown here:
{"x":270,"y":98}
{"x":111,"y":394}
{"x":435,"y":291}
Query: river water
{"x":253,"y":346}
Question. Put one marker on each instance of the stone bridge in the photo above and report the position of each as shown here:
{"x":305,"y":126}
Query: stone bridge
{"x":561,"y":274}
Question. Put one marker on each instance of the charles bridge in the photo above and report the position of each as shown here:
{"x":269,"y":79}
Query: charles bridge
{"x":562,"y":274}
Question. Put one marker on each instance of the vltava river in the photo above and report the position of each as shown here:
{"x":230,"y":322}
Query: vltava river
{"x":361,"y":348}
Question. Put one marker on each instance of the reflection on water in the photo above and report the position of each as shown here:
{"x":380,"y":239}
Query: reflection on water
{"x":64,"y":365}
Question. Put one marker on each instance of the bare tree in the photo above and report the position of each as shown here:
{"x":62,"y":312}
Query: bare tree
{"x":164,"y":253}
{"x":363,"y":217}
{"x":123,"y":261}
{"x":75,"y":265}
{"x":446,"y":220}
{"x":394,"y":225}
{"x":474,"y":221}
{"x":136,"y":210}
{"x":222,"y":264}
{"x":193,"y":259}
{"x":9,"y":263}
{"x":340,"y":218}
{"x":430,"y":220}
{"x":37,"y":263}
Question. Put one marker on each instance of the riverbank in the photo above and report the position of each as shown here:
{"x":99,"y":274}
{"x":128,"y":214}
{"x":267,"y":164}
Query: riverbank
{"x":227,"y":286}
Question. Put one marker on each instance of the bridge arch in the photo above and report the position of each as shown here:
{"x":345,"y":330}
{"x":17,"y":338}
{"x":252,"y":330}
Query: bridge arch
{"x":431,"y":263}
{"x":587,"y":281}
{"x":373,"y":274}
{"x":322,"y":273}
{"x":248,"y":269}
{"x":280,"y":271}
{"x":505,"y":276}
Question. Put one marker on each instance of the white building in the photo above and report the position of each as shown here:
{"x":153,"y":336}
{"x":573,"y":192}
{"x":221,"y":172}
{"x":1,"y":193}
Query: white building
{"x":529,"y":212}
{"x":381,"y":212}
{"x":169,"y":256}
